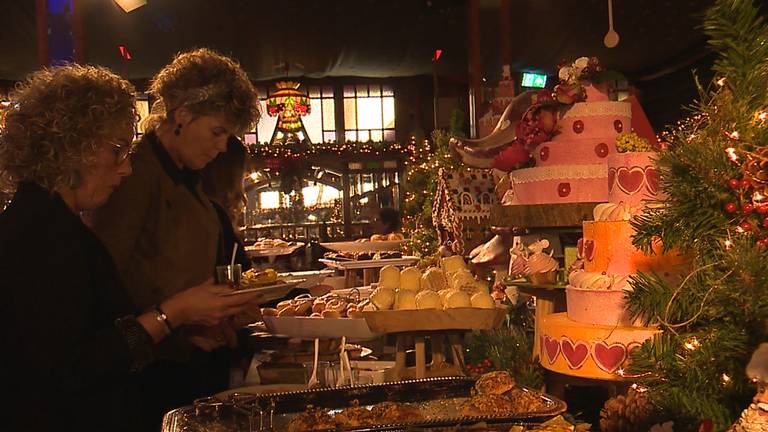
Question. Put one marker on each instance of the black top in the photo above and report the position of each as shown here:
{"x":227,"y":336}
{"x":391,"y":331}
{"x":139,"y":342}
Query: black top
{"x":190,"y":179}
{"x":65,"y":365}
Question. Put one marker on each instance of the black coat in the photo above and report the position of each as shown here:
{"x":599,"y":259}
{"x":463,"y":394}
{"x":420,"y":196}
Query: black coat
{"x":65,"y":366}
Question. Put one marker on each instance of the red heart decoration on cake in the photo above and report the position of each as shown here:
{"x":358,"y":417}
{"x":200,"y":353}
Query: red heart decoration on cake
{"x":611,"y":178}
{"x":544,"y":153}
{"x":575,"y":353}
{"x":551,"y":348}
{"x":589,"y":249}
{"x":630,"y":180}
{"x":652,"y":180}
{"x":608,"y":357}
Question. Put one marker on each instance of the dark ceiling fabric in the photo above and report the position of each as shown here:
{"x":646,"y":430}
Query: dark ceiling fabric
{"x":18,"y":39}
{"x":660,"y":39}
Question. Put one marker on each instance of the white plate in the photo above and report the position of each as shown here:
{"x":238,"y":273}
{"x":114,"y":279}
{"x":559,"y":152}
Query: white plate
{"x":270,"y":292}
{"x":352,"y":265}
{"x":369,"y":246}
{"x":277,"y":251}
{"x":321,"y":328}
{"x":312,"y":278}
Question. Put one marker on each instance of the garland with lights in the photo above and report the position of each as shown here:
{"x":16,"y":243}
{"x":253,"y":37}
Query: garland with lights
{"x":715,"y":175}
{"x":335,"y":149}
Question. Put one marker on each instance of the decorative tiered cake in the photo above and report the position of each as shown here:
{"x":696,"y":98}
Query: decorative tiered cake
{"x":596,"y":322}
{"x":572,"y":167}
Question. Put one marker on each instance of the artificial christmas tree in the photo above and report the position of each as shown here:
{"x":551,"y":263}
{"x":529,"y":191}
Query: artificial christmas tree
{"x":714,"y":178}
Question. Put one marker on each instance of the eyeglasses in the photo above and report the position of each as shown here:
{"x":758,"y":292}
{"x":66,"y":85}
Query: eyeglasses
{"x":123,"y":151}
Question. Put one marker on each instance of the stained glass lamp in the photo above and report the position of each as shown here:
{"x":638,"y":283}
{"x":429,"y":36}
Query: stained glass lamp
{"x":289,"y":104}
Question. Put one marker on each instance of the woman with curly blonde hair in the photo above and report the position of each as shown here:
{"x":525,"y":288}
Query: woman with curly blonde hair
{"x":162,"y":229}
{"x":71,"y":335}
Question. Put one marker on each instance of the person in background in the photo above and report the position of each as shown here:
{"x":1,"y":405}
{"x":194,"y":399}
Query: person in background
{"x":222,"y":182}
{"x":387,"y":221}
{"x":72,"y":336}
{"x":160,"y":226}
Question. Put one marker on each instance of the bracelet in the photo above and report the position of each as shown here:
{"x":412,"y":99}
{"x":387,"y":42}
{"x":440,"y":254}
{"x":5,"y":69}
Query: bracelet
{"x":162,"y":318}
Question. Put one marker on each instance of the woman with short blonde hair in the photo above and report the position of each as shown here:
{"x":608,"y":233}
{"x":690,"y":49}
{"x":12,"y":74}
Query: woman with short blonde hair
{"x":71,"y":332}
{"x":160,"y":226}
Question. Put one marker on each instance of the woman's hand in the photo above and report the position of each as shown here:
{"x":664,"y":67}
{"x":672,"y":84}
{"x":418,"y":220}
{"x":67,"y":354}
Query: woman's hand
{"x":211,"y":338}
{"x":206,"y":305}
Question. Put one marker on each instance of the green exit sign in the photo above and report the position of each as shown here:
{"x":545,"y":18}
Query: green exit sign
{"x":534,"y":80}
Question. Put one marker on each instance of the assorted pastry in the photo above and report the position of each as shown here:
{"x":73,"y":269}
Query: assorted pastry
{"x":314,"y":419}
{"x":326,"y":306}
{"x":362,"y":256}
{"x":451,"y":285}
{"x":267,"y":243}
{"x":494,"y":394}
{"x":382,"y":237}
{"x":255,"y":278}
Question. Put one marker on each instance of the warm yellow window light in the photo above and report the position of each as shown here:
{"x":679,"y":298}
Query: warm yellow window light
{"x":129,"y":5}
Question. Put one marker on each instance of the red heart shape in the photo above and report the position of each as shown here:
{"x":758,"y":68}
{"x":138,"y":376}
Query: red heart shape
{"x":609,"y":357}
{"x":652,"y":180}
{"x":611,"y":178}
{"x":630,"y":179}
{"x":551,"y":348}
{"x":575,"y":353}
{"x":589,"y":249}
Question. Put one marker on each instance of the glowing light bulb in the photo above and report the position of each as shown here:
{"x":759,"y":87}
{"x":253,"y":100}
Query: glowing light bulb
{"x":734,"y":135}
{"x":721,"y":81}
{"x":692,"y":343}
{"x":732,"y":154}
{"x":254,"y":175}
{"x":728,"y":244}
{"x":725,"y":378}
{"x":762,"y":116}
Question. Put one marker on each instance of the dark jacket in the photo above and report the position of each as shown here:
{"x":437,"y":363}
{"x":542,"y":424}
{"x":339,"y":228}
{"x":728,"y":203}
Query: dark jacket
{"x":65,"y":365}
{"x":159,"y":226}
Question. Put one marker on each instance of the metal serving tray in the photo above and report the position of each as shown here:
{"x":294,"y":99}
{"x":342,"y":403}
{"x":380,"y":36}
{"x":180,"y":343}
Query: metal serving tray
{"x":244,"y":412}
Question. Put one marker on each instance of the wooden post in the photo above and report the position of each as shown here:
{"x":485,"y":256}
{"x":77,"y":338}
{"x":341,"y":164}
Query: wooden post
{"x":505,"y":31}
{"x":41,"y":11}
{"x":475,"y":65}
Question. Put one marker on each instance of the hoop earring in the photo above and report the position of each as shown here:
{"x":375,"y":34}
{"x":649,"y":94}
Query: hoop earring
{"x":177,"y":131}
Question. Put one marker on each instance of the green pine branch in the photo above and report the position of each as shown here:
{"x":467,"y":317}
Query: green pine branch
{"x":714,"y":318}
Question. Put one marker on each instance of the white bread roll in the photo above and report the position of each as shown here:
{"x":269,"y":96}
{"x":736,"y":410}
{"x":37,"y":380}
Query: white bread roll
{"x":410,"y":279}
{"x":452,"y":263}
{"x":383,"y":298}
{"x":428,"y":300}
{"x":483,"y":300}
{"x":457,"y":299}
{"x":433,"y":279}
{"x":405,"y":300}
{"x":389,"y":277}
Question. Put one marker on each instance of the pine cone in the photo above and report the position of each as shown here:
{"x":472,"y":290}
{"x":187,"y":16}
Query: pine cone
{"x":630,"y":413}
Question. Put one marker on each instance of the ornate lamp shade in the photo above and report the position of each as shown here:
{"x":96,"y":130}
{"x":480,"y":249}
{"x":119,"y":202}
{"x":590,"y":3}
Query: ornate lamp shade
{"x":288,"y":104}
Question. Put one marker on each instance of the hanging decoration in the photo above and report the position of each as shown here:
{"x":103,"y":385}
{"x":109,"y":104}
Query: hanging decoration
{"x":289,"y":105}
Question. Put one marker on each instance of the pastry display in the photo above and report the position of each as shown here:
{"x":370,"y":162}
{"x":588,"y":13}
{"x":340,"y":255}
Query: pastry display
{"x":326,"y":306}
{"x":313,"y":419}
{"x":405,"y":300}
{"x":482,"y":300}
{"x":382,"y":237}
{"x":383,"y":298}
{"x":267,"y":243}
{"x":256,"y":278}
{"x":497,"y":382}
{"x":410,"y":279}
{"x":433,"y":279}
{"x":355,"y":416}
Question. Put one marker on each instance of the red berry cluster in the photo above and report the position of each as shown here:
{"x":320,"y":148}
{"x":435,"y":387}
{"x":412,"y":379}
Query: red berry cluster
{"x":754,"y":218}
{"x":481,"y":367}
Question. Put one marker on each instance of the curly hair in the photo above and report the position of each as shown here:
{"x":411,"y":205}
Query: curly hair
{"x":205,"y":82}
{"x":60,"y":119}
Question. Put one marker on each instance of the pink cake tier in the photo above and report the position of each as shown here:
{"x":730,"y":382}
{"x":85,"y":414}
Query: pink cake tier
{"x":632,"y":178}
{"x":587,"y":134}
{"x":597,"y":307}
{"x":558,"y":184}
{"x":597,"y":298}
